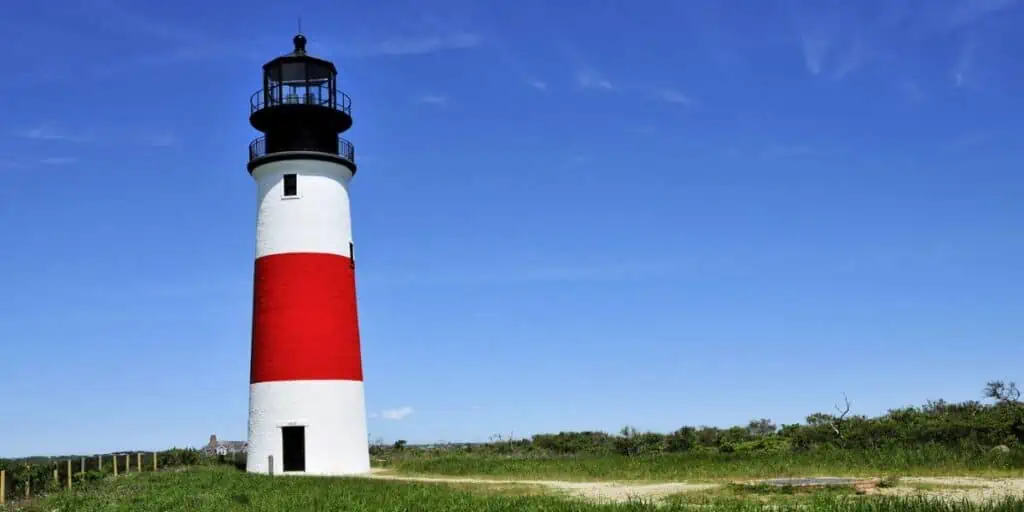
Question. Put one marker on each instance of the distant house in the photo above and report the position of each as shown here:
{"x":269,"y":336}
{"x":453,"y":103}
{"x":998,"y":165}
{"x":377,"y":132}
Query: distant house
{"x":215,"y":447}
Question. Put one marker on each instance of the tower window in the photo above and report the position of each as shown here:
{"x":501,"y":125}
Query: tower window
{"x":291,"y":186}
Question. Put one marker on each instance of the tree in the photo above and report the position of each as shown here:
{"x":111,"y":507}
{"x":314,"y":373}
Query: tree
{"x":626,"y":443}
{"x":761,"y":427}
{"x":1001,"y":391}
{"x":839,"y":423}
{"x":681,"y":440}
{"x":818,"y":419}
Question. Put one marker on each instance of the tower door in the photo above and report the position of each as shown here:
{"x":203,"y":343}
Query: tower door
{"x":294,"y":448}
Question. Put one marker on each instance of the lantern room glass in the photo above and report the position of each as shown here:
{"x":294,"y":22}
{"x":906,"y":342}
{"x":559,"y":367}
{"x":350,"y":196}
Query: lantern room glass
{"x":299,"y":80}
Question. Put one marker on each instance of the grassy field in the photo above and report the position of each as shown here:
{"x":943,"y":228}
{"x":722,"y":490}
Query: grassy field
{"x":226,"y":489}
{"x":925,"y":461}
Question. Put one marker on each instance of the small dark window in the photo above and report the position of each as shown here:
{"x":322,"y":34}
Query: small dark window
{"x":291,"y":186}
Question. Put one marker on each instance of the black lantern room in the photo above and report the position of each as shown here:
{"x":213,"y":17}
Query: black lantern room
{"x":300,"y":111}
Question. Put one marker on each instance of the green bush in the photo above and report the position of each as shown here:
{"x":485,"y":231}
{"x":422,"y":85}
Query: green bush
{"x":766,"y":445}
{"x":969,"y":427}
{"x":681,"y":440}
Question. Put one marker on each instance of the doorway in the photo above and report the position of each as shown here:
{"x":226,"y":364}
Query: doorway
{"x":294,"y":448}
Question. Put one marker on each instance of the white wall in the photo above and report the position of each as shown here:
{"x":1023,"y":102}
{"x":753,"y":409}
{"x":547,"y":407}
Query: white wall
{"x":318,"y":220}
{"x":333,"y":413}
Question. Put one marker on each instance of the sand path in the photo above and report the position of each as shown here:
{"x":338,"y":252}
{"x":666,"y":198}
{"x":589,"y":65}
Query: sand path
{"x":596,"y":491}
{"x":974,"y":489}
{"x":969,"y":488}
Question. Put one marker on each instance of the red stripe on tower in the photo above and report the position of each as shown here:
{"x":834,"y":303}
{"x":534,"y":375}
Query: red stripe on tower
{"x":305,"y":324}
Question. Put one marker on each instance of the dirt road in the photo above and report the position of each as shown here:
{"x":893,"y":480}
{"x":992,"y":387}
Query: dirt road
{"x":958,"y":488}
{"x":596,"y":491}
{"x":951,"y":488}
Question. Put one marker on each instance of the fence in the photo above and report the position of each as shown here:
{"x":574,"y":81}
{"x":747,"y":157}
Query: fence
{"x":26,"y":479}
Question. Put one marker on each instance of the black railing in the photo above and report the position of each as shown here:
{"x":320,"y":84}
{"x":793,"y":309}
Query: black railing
{"x":345,"y":149}
{"x":305,"y":94}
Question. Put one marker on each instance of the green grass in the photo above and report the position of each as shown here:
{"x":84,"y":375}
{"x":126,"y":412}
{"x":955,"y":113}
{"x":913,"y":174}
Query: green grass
{"x":223,"y":489}
{"x":930,"y":461}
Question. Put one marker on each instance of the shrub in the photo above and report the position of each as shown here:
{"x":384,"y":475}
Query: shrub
{"x":682,"y":440}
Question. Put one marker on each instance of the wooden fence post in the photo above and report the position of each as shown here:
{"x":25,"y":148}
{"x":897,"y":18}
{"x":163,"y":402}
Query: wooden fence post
{"x":28,"y":487}
{"x":56,"y":479}
{"x":127,"y":463}
{"x":69,"y":473}
{"x":154,"y":461}
{"x":3,"y":486}
{"x":138,"y":462}
{"x":113,"y":457}
{"x":99,"y":462}
{"x":83,"y":465}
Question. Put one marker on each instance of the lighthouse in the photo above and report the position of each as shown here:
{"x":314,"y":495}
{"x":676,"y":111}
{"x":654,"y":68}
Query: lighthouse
{"x":306,"y":404}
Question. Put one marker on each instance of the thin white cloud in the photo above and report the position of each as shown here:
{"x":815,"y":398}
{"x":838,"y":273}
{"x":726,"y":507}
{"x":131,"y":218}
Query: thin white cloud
{"x":58,"y":160}
{"x":966,"y":12}
{"x":837,"y":40}
{"x":47,"y":133}
{"x":11,"y":164}
{"x":116,"y":17}
{"x":913,"y":90}
{"x":854,"y":57}
{"x":591,"y":273}
{"x":399,"y":46}
{"x":547,"y":273}
{"x":42,"y":134}
{"x":433,"y":99}
{"x":189,"y":44}
{"x":397,"y":414}
{"x":966,"y":142}
{"x":645,"y":129}
{"x":27,"y":164}
{"x":590,"y":79}
{"x":163,"y":140}
{"x":109,"y":136}
{"x":786,"y":151}
{"x":585,"y":75}
{"x":574,"y":161}
{"x":511,"y":62}
{"x":672,"y":96}
{"x":962,"y":72}
{"x":180,"y":43}
{"x":814,"y":47}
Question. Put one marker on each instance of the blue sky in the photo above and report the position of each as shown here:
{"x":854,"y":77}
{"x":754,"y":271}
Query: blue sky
{"x":569,"y":215}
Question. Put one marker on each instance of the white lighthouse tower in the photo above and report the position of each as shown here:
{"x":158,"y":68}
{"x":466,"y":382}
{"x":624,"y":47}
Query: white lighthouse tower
{"x":306,"y":406}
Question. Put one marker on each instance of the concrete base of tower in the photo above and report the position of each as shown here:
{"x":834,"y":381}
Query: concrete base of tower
{"x":308,"y":427}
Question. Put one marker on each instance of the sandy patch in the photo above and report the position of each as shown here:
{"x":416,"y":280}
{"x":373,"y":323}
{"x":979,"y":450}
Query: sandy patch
{"x":973,"y":489}
{"x":594,"y":491}
{"x":962,"y":488}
